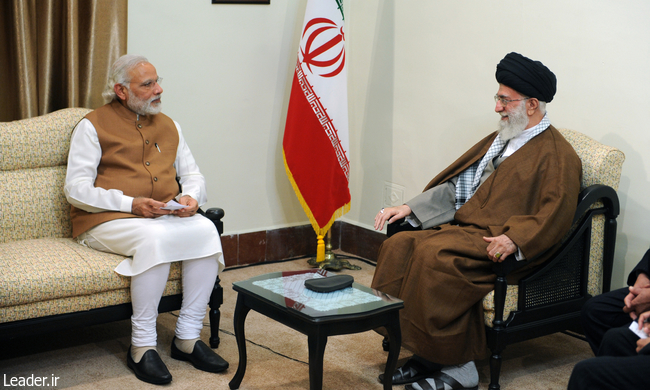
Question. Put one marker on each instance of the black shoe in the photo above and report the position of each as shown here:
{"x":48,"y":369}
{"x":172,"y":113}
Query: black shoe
{"x":412,"y":371}
{"x":150,"y":369}
{"x":202,"y":357}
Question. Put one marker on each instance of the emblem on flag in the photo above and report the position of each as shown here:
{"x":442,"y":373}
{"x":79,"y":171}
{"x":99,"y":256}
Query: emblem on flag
{"x":329,"y":54}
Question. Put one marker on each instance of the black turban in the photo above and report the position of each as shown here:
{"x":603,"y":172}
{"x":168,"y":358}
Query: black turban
{"x":528,"y":77}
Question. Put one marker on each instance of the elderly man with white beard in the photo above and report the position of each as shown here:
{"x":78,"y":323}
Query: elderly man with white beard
{"x":514,"y":193}
{"x":126,"y":162}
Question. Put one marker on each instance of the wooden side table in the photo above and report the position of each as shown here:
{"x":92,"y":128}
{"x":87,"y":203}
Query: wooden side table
{"x":282,"y":297}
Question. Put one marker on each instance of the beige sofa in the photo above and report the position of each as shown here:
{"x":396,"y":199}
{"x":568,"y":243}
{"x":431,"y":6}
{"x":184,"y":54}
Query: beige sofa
{"x":47,"y":280}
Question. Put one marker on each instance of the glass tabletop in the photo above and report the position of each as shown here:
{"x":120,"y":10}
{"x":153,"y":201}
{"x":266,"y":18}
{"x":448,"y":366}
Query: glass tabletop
{"x":287,"y":289}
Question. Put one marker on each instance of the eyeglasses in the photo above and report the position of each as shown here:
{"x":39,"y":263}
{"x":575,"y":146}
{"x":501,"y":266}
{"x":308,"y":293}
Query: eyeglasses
{"x":148,"y":84}
{"x":504,"y":102}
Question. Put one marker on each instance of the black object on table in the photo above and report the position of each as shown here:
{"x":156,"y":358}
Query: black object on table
{"x":282,"y":296}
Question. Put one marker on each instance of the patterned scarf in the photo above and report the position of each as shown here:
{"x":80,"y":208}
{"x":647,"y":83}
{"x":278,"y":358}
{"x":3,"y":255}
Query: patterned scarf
{"x":469,"y":179}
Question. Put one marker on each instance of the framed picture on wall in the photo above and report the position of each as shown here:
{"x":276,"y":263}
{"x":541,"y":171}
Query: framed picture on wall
{"x":241,"y":1}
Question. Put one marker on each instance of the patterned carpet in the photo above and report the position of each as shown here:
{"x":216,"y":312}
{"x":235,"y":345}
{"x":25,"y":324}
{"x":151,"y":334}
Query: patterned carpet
{"x":95,"y":357}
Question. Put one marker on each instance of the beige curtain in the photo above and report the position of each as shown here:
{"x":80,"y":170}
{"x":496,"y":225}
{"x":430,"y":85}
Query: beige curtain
{"x":56,"y":53}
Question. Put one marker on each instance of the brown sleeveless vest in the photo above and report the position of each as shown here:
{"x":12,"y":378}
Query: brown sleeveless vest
{"x":137,"y":159}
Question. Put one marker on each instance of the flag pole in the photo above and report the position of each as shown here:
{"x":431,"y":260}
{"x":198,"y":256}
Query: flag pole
{"x":331,"y":262}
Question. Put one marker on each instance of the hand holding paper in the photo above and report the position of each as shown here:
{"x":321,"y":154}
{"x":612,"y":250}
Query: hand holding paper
{"x":173,"y":205}
{"x":634,"y":327}
{"x":643,"y":320}
{"x":148,"y":208}
{"x":185,"y":207}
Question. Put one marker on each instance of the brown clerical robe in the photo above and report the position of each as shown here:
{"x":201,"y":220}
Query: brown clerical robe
{"x":443,"y":274}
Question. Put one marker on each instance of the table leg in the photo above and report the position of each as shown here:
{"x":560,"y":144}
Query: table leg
{"x":241,"y":310}
{"x":395,"y":343}
{"x":317,"y":344}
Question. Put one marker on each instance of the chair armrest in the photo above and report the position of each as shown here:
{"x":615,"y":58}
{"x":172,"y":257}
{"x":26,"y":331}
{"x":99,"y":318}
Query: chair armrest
{"x":594,"y":193}
{"x":587,"y":197}
{"x":215,"y":215}
{"x":400,"y":226}
{"x":611,"y":209}
{"x":509,"y":265}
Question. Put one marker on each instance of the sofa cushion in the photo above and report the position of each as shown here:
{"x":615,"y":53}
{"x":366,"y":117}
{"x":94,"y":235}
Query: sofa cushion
{"x":76,"y":304}
{"x":46,"y":269}
{"x":42,"y":141}
{"x":33,"y":205}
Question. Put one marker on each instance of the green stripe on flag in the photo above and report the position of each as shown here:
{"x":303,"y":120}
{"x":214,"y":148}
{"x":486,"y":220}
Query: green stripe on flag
{"x":340,"y":7}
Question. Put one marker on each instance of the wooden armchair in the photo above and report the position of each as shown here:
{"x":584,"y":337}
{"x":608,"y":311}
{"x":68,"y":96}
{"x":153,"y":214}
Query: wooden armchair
{"x":550,"y":298}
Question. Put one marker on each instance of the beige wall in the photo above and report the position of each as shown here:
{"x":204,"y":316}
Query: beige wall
{"x":421,"y":81}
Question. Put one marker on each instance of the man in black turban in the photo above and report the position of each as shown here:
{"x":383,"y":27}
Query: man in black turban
{"x":514,"y":193}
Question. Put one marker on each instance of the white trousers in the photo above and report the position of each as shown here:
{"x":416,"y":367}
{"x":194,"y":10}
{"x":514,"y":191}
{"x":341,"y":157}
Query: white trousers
{"x":198,"y":278}
{"x":152,"y":241}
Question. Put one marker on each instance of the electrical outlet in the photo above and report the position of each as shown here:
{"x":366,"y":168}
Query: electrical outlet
{"x":393,"y":194}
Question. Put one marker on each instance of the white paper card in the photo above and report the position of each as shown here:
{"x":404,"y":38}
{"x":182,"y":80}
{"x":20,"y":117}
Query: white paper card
{"x":173,"y":205}
{"x":634,"y":327}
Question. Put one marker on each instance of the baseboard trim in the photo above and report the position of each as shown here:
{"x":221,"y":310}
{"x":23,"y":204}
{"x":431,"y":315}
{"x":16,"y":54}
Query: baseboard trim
{"x":296,"y":241}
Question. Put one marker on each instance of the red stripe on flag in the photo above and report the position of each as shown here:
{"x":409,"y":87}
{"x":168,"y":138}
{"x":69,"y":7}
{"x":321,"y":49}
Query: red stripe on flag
{"x":312,"y":161}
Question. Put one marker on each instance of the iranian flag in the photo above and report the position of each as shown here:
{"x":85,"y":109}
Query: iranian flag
{"x":315,"y":145}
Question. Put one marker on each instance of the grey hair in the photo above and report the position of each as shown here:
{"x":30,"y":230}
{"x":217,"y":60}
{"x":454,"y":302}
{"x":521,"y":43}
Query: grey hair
{"x":542,"y":105}
{"x":119,"y":74}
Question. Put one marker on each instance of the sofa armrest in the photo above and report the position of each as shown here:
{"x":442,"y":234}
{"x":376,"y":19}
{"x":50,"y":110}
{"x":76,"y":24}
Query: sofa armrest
{"x":215,"y":215}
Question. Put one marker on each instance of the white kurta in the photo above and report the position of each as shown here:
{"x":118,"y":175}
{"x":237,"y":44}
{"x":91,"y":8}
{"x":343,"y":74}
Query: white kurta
{"x":150,"y":241}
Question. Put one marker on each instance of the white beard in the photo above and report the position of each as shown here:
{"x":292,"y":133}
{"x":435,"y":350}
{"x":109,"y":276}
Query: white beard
{"x":515,"y":124}
{"x":143,"y":107}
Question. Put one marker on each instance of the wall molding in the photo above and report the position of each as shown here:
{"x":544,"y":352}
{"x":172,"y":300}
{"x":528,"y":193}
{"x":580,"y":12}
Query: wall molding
{"x":297,"y":241}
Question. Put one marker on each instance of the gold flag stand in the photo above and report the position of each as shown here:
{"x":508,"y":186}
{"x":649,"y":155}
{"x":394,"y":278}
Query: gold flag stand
{"x":331,"y":261}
